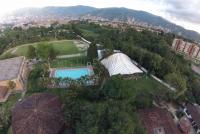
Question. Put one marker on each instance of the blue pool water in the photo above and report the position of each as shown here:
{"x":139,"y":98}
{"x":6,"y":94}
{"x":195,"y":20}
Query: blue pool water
{"x":72,"y":73}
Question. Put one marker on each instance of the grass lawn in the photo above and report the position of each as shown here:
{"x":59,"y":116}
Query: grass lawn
{"x":88,"y":33}
{"x":149,"y":85}
{"x":63,"y":47}
{"x":69,"y":62}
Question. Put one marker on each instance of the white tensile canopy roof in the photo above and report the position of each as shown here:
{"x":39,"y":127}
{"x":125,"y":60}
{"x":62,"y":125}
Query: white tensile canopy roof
{"x":120,"y":63}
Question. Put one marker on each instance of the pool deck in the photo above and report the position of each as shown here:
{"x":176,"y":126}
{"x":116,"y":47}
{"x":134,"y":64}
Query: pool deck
{"x":53,"y":70}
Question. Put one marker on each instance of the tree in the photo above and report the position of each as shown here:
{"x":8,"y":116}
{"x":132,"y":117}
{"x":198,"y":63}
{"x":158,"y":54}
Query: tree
{"x":31,"y":53}
{"x":108,"y":46}
{"x":11,"y":85}
{"x":195,"y":88}
{"x":92,"y":52}
{"x":166,"y":68}
{"x":42,"y":51}
{"x":46,"y":52}
{"x":107,"y":118}
{"x":118,"y":88}
{"x":177,"y":81}
{"x":151,"y":61}
{"x":143,"y":101}
{"x":51,"y":53}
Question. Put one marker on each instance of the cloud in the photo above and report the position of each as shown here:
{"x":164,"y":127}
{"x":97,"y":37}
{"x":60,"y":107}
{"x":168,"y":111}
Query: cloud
{"x":185,"y":10}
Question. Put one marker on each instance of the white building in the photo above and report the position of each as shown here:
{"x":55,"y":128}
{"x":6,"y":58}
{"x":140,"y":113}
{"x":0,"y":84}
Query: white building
{"x":119,"y":63}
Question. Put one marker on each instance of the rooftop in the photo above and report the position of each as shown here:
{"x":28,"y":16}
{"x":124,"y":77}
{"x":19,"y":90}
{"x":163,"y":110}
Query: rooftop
{"x":194,"y":110}
{"x":158,"y":121}
{"x":119,"y":63}
{"x":185,"y":125}
{"x":10,"y":68}
{"x":39,"y":113}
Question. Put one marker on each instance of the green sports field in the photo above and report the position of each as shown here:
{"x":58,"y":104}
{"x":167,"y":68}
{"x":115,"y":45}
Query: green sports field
{"x":62,"y":47}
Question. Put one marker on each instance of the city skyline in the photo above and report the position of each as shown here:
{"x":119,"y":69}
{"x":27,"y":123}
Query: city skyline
{"x":180,"y":12}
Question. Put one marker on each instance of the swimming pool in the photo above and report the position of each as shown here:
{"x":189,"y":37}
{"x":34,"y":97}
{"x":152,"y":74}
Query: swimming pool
{"x":73,"y":73}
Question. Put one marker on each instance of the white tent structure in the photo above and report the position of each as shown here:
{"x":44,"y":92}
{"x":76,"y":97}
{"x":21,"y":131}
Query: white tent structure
{"x":120,"y":63}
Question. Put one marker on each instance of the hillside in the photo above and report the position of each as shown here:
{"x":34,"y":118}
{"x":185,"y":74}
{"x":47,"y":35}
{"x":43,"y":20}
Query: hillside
{"x":54,"y":11}
{"x":122,"y":14}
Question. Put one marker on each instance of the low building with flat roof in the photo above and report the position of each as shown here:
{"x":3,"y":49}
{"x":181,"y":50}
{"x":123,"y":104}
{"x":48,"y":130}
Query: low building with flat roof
{"x":15,"y":70}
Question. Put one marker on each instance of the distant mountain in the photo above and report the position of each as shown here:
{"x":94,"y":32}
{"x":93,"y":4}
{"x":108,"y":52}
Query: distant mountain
{"x":122,"y":14}
{"x":54,"y":11}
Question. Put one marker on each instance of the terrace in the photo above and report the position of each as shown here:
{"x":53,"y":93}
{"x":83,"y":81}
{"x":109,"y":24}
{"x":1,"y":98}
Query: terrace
{"x":14,"y":70}
{"x":10,"y":68}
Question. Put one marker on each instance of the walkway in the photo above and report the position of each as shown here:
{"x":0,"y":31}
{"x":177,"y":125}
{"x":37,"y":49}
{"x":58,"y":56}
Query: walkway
{"x":22,"y":95}
{"x":70,"y":56}
{"x":196,"y":69}
{"x":154,"y":77}
{"x":162,"y":82}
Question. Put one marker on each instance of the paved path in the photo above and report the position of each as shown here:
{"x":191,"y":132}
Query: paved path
{"x":162,"y":82}
{"x":195,"y":69}
{"x":83,"y":39}
{"x":14,"y":50}
{"x":22,"y":95}
{"x":70,"y":56}
{"x":103,"y":83}
{"x":154,"y":77}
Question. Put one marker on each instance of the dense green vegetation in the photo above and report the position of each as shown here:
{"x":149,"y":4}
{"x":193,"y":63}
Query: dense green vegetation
{"x":111,"y":107}
{"x":152,"y":51}
{"x":18,"y":36}
{"x":31,"y":52}
{"x":92,"y":52}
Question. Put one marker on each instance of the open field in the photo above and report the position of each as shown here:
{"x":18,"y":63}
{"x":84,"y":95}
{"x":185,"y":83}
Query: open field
{"x":63,"y":47}
{"x":88,"y":33}
{"x":69,"y":62}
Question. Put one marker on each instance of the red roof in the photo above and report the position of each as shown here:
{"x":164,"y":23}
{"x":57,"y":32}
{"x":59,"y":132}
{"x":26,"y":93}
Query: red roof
{"x":157,"y":120}
{"x":185,"y":125}
{"x":38,"y":114}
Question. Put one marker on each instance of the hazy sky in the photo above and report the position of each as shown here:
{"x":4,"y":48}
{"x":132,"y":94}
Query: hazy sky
{"x":183,"y":12}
